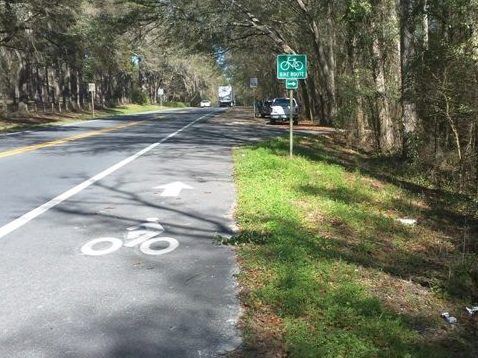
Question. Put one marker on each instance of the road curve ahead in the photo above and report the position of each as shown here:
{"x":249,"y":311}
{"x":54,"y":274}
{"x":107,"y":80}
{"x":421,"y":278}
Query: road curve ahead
{"x":106,"y":238}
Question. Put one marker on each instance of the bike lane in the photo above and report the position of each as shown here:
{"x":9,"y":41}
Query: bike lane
{"x":29,"y":179}
{"x":58,"y":301}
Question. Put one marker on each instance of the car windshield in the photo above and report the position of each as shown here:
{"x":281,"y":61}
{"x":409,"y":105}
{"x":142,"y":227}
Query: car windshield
{"x":281,"y":102}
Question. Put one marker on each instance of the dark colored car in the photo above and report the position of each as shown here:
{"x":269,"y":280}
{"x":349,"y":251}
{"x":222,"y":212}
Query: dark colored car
{"x":265,"y":108}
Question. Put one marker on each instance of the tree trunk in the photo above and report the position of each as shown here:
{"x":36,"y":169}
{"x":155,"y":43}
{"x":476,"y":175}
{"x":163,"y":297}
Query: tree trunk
{"x":46,"y":85}
{"x":68,"y":80}
{"x":407,"y":53}
{"x":326,"y":57}
{"x":425,"y":24}
{"x":358,"y":125}
{"x":306,"y":101}
{"x":384,"y":120}
{"x":77,"y":90}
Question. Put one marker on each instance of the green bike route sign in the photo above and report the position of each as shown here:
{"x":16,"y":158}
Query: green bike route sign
{"x":291,"y":67}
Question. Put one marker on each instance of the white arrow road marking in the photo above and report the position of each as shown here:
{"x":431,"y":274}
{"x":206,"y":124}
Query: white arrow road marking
{"x":173,"y":189}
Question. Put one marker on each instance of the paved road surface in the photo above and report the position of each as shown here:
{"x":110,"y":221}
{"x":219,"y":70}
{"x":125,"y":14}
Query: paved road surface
{"x":63,"y":187}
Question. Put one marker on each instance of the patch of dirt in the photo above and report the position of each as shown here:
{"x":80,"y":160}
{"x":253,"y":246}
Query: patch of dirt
{"x":303,"y":125}
{"x":18,"y":121}
{"x":373,"y":183}
{"x":263,"y":330}
{"x":268,"y":340}
{"x":265,"y":338}
{"x":34,"y":118}
{"x":421,"y":306}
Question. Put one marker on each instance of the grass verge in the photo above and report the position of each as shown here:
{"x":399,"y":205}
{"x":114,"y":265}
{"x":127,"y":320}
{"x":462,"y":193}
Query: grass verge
{"x":328,"y":271}
{"x":19,"y":122}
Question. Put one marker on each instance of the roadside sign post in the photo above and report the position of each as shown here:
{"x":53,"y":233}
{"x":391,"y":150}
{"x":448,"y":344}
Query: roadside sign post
{"x":291,"y":85}
{"x":254,"y":102}
{"x":92,"y":90}
{"x":291,"y":68}
{"x":253,"y":82}
{"x":160,"y":94}
{"x":291,"y":124}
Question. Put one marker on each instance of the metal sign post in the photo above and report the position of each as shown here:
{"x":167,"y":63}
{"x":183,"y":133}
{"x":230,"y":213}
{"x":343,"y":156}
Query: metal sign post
{"x":291,"y":123}
{"x":253,"y":82}
{"x":254,"y":102}
{"x":92,"y":90}
{"x":160,"y":94}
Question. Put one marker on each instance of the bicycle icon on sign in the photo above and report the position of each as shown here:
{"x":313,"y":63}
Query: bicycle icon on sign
{"x":291,"y":63}
{"x":143,"y":235}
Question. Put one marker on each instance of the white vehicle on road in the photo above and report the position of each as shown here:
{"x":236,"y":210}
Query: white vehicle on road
{"x":205,"y":103}
{"x":280,"y":110}
{"x":226,"y":96}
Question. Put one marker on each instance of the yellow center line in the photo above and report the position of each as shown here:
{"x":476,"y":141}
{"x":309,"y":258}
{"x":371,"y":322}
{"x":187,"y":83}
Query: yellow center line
{"x":52,"y":143}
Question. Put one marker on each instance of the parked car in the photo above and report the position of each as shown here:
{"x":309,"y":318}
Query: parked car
{"x":265,"y":108}
{"x":205,"y":103}
{"x":257,"y":109}
{"x":280,"y":110}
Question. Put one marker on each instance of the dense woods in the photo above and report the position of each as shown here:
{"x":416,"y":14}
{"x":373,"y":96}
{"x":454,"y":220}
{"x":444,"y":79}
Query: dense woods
{"x":400,"y":76}
{"x":50,"y":51}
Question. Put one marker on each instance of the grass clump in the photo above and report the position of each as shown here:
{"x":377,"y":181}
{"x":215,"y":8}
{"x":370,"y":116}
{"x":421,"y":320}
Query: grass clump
{"x":329,"y":270}
{"x":177,"y":104}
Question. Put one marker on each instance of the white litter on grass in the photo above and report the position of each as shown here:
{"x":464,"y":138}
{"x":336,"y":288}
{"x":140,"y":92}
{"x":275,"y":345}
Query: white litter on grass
{"x":448,"y":318}
{"x":407,"y":221}
{"x":472,"y":310}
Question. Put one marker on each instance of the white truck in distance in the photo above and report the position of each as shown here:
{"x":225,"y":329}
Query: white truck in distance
{"x":226,"y":96}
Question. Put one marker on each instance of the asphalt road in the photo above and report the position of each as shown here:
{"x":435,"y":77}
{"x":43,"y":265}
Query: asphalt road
{"x":137,"y":291}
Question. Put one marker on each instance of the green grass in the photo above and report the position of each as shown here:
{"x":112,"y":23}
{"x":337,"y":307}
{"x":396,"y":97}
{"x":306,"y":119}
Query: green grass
{"x":326,"y":266}
{"x":133,"y":108}
{"x":177,"y":104}
{"x":38,"y":120}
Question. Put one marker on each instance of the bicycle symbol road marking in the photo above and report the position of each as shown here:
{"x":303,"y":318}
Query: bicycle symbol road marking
{"x":143,"y":235}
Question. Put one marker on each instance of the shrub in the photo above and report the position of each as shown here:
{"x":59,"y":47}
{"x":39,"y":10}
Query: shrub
{"x":139,"y":97}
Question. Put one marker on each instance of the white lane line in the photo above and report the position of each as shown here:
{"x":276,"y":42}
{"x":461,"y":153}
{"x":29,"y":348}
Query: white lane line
{"x":25,"y":218}
{"x":14,"y":133}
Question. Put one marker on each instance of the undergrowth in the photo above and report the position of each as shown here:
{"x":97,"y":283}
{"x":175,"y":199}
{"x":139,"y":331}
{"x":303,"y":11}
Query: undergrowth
{"x":327,"y":266}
